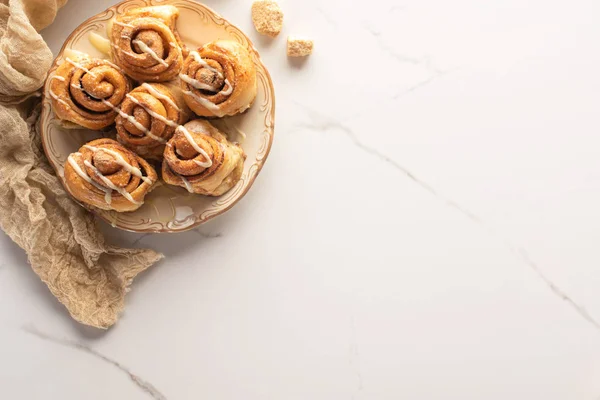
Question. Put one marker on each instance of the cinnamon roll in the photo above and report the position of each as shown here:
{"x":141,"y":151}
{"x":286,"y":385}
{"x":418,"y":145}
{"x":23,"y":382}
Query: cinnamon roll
{"x":86,"y":91}
{"x":200,"y":159}
{"x":219,"y":79}
{"x":106,"y":175}
{"x":146,"y":45}
{"x":148,"y":118}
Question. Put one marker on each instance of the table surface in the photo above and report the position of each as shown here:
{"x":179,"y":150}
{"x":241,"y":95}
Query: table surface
{"x":425,"y":227}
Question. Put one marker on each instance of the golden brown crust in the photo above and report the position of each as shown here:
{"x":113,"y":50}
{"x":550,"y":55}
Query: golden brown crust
{"x":146,"y":45}
{"x":96,"y":163}
{"x":184,"y":166}
{"x":223,"y":66}
{"x":157,"y":108}
{"x":85,"y":90}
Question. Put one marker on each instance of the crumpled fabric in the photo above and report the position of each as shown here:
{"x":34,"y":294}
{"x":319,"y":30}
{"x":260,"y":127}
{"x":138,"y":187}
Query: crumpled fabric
{"x":63,"y":243}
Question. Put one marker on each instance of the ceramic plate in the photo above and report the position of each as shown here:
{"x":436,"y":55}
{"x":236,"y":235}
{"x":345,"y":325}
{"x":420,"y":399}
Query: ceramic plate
{"x":168,"y":208}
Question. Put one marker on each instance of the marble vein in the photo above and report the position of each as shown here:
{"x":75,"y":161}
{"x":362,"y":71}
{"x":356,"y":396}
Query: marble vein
{"x":145,"y":386}
{"x":140,"y":238}
{"x":208,"y":235}
{"x":324,"y":123}
{"x":411,"y":89}
{"x":524,"y":256}
{"x":326,"y":17}
{"x":424,"y":61}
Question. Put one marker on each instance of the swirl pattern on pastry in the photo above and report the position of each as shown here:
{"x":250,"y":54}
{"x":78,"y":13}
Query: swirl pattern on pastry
{"x":85,"y":91}
{"x":146,"y":45}
{"x":148,"y":118}
{"x":106,"y":175}
{"x":219,"y":79}
{"x":200,"y":159}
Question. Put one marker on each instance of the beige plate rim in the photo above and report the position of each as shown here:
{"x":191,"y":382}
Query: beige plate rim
{"x":259,"y":164}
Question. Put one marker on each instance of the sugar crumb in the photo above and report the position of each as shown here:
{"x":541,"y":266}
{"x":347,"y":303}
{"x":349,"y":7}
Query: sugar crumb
{"x":267,"y":17}
{"x":299,"y":46}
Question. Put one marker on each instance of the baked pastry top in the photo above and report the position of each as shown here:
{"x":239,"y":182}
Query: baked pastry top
{"x":149,"y":118}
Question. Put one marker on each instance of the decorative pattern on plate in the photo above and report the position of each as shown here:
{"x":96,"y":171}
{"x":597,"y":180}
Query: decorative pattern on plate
{"x":170,"y":209}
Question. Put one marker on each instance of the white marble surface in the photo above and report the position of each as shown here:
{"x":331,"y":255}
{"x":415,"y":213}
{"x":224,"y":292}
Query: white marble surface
{"x":426,"y":226}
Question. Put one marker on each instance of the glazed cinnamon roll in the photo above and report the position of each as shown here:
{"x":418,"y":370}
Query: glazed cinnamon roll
{"x":145,"y":43}
{"x":106,"y":175}
{"x":200,"y":159}
{"x":219,"y":79}
{"x":87,"y":91}
{"x":148,"y":118}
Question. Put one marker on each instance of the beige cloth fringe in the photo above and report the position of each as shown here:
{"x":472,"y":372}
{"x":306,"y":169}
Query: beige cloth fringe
{"x":61,"y":239}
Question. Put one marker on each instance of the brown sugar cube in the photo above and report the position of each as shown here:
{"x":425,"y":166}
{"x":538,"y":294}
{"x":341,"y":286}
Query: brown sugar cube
{"x":267,"y":17}
{"x":299,"y":46}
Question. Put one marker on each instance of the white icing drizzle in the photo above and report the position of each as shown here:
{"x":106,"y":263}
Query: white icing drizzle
{"x":203,"y":86}
{"x":229,"y":89}
{"x":154,"y":137}
{"x":187,"y":184}
{"x":152,"y":113}
{"x":54,"y":95}
{"x":122,"y":162}
{"x":200,"y":150}
{"x":85,"y":177}
{"x":196,"y":83}
{"x":159,"y":95}
{"x":173,"y":44}
{"x":205,"y":102}
{"x":144,"y":47}
{"x":109,"y":184}
{"x":81,"y":88}
{"x":130,"y":54}
{"x":134,"y":122}
{"x":126,"y":116}
{"x":115,"y":66}
{"x":123,"y":24}
{"x":76,"y":65}
{"x":200,"y":61}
